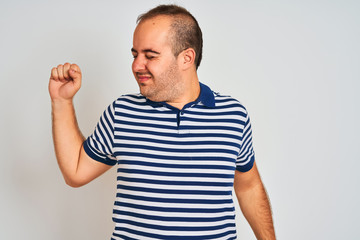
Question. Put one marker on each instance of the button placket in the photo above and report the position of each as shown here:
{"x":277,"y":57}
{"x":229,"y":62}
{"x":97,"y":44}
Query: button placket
{"x":180,"y":115}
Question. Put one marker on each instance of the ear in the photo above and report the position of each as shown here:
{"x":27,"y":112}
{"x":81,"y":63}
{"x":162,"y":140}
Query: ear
{"x":187,"y":58}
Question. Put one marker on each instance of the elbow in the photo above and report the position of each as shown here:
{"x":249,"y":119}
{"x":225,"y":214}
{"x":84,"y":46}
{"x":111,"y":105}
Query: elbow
{"x":74,"y":183}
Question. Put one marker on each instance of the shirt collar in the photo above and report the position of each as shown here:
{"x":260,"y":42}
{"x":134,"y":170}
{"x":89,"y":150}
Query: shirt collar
{"x":206,"y":97}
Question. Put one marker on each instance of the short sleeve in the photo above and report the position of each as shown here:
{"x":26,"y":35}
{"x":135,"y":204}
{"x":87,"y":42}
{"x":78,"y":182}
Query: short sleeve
{"x":99,"y":145}
{"x":246,"y":157}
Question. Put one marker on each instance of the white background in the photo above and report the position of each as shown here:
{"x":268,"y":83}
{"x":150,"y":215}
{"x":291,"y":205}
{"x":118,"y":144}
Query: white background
{"x":293,"y":64}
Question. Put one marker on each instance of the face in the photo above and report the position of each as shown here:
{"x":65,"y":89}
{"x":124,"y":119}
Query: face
{"x":155,"y":67}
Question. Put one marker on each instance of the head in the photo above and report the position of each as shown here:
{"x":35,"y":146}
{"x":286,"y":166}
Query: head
{"x":184,"y":32}
{"x":167,"y":42}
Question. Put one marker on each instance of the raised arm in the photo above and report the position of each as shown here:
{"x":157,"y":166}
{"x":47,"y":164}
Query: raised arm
{"x":76,"y":166}
{"x":254,"y":203}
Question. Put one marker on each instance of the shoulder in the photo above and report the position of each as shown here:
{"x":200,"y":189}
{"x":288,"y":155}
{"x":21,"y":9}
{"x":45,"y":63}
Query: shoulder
{"x":128,"y":100}
{"x":131,"y":102}
{"x":228,"y":102}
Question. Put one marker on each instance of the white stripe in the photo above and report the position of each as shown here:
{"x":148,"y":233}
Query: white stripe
{"x":131,"y":235}
{"x":177,"y":146}
{"x":215,"y":110}
{"x":105,"y":141}
{"x":215,"y":117}
{"x":173,"y":169}
{"x":147,"y":114}
{"x":178,"y":214}
{"x":179,"y":224}
{"x":179,"y":162}
{"x":221,"y":115}
{"x":176,"y":233}
{"x":145,"y":121}
{"x":177,"y":139}
{"x":175,"y":131}
{"x":175,"y":196}
{"x":174,"y":154}
{"x":205,"y":123}
{"x":173,"y":187}
{"x":135,"y":236}
{"x":176,"y":179}
{"x":143,"y":128}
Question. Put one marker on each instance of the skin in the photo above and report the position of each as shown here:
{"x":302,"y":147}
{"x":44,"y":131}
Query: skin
{"x":76,"y":166}
{"x":254,"y":203}
{"x":161,"y":77}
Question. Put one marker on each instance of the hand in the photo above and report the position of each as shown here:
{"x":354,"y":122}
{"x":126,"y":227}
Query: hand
{"x":65,"y":81}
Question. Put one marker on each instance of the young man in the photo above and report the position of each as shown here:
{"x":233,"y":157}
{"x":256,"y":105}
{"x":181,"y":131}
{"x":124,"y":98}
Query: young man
{"x":179,"y":147}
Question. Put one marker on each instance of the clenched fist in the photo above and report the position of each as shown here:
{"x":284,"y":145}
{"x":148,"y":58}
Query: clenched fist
{"x":65,"y":81}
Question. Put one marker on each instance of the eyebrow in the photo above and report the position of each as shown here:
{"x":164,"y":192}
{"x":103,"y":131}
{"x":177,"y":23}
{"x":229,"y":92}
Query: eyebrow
{"x":145,"y":51}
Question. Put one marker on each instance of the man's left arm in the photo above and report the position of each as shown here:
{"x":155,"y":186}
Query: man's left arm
{"x":254,"y":203}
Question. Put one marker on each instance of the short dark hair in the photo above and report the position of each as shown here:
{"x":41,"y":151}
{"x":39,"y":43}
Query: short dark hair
{"x":185,"y":30}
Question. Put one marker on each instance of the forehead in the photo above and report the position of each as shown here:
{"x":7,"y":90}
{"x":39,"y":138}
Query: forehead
{"x":153,"y":32}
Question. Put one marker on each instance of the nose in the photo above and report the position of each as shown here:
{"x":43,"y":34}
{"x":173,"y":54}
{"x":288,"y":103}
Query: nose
{"x":139,"y":64}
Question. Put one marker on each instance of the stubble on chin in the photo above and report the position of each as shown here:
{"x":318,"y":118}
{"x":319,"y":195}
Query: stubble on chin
{"x":167,"y":87}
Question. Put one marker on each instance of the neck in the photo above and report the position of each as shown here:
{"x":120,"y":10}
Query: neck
{"x":190,"y":94}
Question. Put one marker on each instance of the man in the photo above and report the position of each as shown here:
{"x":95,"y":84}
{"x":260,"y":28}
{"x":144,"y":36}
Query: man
{"x":179,"y":147}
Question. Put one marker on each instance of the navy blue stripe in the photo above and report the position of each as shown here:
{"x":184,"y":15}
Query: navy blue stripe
{"x":123,"y":237}
{"x":148,"y":110}
{"x":174,"y":228}
{"x":174,"y":174}
{"x":141,"y":124}
{"x":97,"y":143}
{"x":130,"y":99}
{"x":209,"y":120}
{"x":175,"y":183}
{"x":89,"y":151}
{"x":126,"y":154}
{"x":217,"y":113}
{"x":189,"y":135}
{"x":224,"y":108}
{"x":205,"y":127}
{"x":175,"y":200}
{"x":172,"y":237}
{"x":198,"y":127}
{"x":171,"y":191}
{"x":138,"y":117}
{"x":246,"y":145}
{"x":136,"y":96}
{"x":248,"y":166}
{"x":174,"y":210}
{"x":172,"y":219}
{"x":102,"y":134}
{"x":204,"y":167}
{"x":176,"y":143}
{"x":228,"y":99}
{"x":139,"y":114}
{"x":109,"y":123}
{"x":247,"y":128}
{"x":173,"y":150}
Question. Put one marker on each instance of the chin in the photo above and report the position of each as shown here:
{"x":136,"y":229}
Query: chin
{"x":154,"y":98}
{"x":146,"y":94}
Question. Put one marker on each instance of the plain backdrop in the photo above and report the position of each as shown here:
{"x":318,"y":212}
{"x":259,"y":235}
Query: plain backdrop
{"x":293,"y":64}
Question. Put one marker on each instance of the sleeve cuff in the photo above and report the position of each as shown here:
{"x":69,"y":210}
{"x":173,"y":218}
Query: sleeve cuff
{"x":92,"y":154}
{"x":248,"y":166}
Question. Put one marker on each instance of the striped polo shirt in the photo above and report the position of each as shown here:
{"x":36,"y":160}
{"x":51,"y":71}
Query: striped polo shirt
{"x":175,"y":168}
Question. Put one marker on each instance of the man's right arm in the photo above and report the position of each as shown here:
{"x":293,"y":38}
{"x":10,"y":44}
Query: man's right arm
{"x":76,"y":166}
